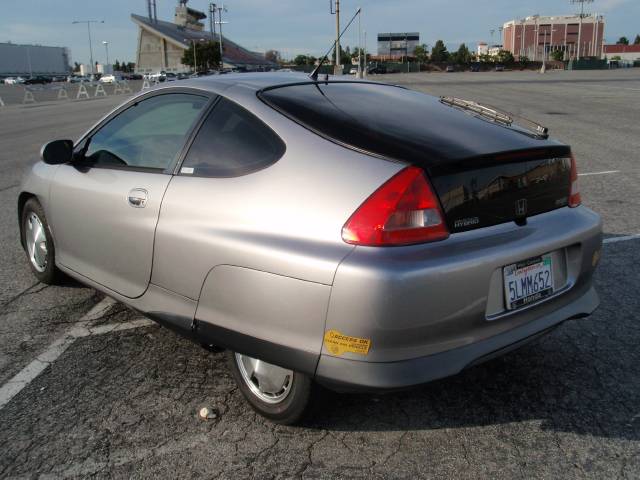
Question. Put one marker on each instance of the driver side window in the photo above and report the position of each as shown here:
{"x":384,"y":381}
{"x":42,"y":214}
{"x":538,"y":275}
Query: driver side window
{"x":148,"y":134}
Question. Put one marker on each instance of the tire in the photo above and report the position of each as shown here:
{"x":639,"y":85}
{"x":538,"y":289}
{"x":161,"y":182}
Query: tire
{"x":288,"y":409}
{"x":42,"y":264}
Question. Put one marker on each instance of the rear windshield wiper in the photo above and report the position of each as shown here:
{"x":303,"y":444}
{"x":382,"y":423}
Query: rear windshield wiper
{"x":496,"y":115}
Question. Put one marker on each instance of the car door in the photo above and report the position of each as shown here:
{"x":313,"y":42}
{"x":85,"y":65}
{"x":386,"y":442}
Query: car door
{"x":105,"y":204}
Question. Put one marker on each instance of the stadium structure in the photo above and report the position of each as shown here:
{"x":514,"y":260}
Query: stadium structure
{"x":161,"y":44}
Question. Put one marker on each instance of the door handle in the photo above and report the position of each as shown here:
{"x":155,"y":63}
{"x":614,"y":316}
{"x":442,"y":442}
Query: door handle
{"x":138,"y":197}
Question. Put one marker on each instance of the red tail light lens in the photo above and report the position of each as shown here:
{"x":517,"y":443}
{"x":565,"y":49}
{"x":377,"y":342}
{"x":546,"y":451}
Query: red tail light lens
{"x":403,"y":211}
{"x":574,"y":194}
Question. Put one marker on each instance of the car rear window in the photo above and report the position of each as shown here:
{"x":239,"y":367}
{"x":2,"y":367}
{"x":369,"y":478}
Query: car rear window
{"x":377,"y":118}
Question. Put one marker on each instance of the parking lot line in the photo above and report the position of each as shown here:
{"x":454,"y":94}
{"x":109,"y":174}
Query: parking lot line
{"x":58,"y":347}
{"x":621,"y":239}
{"x":598,"y":173}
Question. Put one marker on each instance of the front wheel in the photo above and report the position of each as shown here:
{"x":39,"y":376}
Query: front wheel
{"x":38,"y":243}
{"x":276,"y":393}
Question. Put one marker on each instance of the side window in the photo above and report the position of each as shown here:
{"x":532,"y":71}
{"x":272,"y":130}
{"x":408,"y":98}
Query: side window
{"x":149,"y":134}
{"x":230,"y":143}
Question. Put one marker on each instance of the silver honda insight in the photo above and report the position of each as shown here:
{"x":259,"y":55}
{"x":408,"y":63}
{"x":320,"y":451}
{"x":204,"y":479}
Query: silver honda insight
{"x":359,"y":235}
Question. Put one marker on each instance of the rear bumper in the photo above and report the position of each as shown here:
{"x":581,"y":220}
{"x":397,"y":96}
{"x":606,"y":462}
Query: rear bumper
{"x":427,"y":311}
{"x":346,"y":375}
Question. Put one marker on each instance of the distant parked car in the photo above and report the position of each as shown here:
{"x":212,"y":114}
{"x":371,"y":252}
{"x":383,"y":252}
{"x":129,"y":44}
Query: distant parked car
{"x":37,"y":80}
{"x":59,"y":78}
{"x":353,"y":71}
{"x":499,"y":68}
{"x":133,"y":76}
{"x":475,"y":67}
{"x":157,"y":76}
{"x":170,"y":77}
{"x":377,"y":70}
{"x":108,"y":79}
{"x":13,"y":80}
{"x":450,"y":69}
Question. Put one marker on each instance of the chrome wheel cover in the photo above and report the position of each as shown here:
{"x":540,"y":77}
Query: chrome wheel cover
{"x":270,"y":383}
{"x":36,"y":241}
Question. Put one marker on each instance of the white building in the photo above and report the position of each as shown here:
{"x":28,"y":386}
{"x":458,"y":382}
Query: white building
{"x":483,"y":48}
{"x":494,"y":50}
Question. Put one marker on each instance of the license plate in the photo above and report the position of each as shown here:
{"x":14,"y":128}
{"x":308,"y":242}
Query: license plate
{"x":527,"y":281}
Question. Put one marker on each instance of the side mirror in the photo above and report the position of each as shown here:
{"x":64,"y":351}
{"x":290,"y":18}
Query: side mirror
{"x":57,"y":152}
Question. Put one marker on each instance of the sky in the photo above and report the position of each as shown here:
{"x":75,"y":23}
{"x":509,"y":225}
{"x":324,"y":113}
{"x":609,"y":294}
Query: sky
{"x":291,"y":26}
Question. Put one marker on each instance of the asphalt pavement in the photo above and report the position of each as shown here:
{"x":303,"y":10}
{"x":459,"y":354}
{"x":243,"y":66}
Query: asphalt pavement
{"x":119,"y":397}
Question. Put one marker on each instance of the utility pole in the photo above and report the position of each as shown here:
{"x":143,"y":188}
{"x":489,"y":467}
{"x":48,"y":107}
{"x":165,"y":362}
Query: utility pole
{"x":220,"y":9}
{"x":360,"y":43}
{"x":212,"y":21}
{"x":337,"y":69}
{"x":89,"y":22}
{"x":364,"y":73}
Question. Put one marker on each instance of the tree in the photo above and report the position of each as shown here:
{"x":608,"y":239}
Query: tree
{"x":557,"y":55}
{"x":637,"y":40}
{"x":304,"y":60}
{"x":462,"y":56}
{"x":623,"y":41}
{"x":116,"y":66}
{"x":439,"y":52}
{"x":76,"y":67}
{"x":345,"y":55}
{"x":207,"y":55}
{"x":505,"y":56}
{"x":300,"y":60}
{"x":421,"y":53}
{"x":273,"y":56}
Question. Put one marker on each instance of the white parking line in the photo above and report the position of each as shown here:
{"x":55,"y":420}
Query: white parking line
{"x":57,"y":348}
{"x":626,"y":238}
{"x":598,"y":173}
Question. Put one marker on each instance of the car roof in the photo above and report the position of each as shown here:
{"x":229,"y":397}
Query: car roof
{"x":252,"y":80}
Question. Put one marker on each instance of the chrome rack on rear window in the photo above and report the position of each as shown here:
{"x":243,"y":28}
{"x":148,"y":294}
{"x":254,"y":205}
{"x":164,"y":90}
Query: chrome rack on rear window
{"x":495,"y":115}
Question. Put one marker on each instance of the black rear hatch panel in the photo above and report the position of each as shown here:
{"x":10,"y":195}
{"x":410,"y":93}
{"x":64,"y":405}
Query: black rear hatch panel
{"x":482,"y":192}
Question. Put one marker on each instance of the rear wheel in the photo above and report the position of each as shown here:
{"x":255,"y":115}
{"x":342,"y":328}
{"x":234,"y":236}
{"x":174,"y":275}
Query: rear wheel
{"x":38,"y":243}
{"x":276,"y":393}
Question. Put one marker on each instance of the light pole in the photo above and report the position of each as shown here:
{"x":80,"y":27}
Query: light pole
{"x":106,"y":47}
{"x":582,"y":15}
{"x":89,"y":22}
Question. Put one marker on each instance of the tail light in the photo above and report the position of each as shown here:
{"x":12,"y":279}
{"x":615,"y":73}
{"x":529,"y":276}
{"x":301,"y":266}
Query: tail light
{"x":574,"y":194}
{"x":403,"y":211}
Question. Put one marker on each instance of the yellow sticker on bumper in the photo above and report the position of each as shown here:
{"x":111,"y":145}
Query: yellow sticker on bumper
{"x":338,"y":343}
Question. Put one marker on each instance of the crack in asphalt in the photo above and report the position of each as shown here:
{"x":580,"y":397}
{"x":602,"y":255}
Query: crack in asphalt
{"x":22,"y":293}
